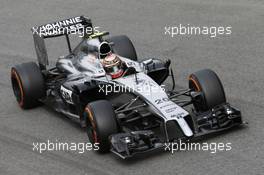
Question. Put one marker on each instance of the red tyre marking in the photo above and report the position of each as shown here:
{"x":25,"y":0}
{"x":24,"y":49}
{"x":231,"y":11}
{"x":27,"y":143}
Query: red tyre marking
{"x":14,"y":73}
{"x":91,"y":119}
{"x":197,"y":87}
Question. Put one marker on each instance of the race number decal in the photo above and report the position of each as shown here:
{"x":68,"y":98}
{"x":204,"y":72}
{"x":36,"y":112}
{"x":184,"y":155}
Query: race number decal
{"x":162,"y":100}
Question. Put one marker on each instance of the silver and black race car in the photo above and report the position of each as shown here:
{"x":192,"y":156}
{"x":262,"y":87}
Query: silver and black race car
{"x":121,"y":101}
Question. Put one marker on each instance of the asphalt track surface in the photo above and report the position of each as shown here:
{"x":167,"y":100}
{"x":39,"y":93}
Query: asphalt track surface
{"x":237,"y":58}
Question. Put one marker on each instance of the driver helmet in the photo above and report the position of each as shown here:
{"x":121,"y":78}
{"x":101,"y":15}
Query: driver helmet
{"x":113,"y":65}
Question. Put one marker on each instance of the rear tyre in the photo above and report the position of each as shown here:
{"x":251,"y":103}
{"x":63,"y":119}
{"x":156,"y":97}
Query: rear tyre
{"x":28,"y":84}
{"x":210,"y":87}
{"x":101,"y":123}
{"x":123,"y":47}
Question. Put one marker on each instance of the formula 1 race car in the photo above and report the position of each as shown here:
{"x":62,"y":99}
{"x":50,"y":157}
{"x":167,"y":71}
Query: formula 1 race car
{"x":121,"y":101}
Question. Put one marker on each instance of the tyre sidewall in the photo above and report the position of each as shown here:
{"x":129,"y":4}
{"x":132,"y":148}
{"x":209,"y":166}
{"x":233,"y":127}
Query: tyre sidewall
{"x":32,"y":82}
{"x":102,"y":117}
{"x":211,"y":88}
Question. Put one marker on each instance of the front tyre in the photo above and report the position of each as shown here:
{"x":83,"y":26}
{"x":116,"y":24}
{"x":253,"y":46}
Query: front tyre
{"x":101,"y":123}
{"x":28,"y":84}
{"x":207,"y":83}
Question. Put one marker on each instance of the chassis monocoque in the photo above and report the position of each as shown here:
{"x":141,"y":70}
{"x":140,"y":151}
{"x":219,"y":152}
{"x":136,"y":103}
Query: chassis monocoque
{"x":130,"y":114}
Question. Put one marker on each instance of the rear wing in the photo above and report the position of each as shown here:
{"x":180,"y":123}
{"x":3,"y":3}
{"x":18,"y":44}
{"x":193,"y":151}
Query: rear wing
{"x":75,"y":25}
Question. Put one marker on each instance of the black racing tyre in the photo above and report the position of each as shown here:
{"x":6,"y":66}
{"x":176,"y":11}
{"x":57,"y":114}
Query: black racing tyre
{"x":100,"y":123}
{"x":28,"y":84}
{"x":212,"y":92}
{"x":123,"y":47}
